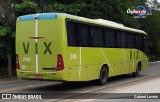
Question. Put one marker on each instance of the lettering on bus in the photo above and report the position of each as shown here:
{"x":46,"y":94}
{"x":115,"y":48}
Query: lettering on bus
{"x":26,"y":59}
{"x":23,"y":67}
{"x":46,"y":50}
{"x":73,"y":56}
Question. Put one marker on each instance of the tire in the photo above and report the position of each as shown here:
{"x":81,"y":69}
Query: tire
{"x":103,"y":77}
{"x":136,"y":74}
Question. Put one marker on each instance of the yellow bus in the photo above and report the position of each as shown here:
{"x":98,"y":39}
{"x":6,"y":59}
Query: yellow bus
{"x":63,"y":47}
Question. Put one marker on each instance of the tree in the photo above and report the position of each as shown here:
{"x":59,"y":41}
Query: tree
{"x":7,"y":19}
{"x":151,"y":26}
{"x":26,"y":7}
{"x":72,"y":6}
{"x":152,"y":3}
{"x":114,"y":10}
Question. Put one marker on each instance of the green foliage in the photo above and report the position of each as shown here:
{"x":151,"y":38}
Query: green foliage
{"x":151,"y":26}
{"x":74,"y":8}
{"x":27,"y":7}
{"x":114,"y":10}
{"x":3,"y":31}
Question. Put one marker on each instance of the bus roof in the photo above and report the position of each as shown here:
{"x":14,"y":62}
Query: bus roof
{"x":104,"y":23}
{"x":78,"y":18}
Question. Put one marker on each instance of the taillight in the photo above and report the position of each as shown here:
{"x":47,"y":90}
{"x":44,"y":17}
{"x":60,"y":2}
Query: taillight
{"x":17,"y":62}
{"x":60,"y":63}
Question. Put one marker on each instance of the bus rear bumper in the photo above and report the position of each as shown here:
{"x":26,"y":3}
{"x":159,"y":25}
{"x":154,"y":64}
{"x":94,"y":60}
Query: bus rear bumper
{"x":30,"y":75}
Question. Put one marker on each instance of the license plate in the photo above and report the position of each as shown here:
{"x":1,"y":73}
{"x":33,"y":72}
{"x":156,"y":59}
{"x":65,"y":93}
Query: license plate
{"x":38,"y":76}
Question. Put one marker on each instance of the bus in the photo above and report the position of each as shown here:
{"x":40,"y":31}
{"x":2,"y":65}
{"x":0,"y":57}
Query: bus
{"x":67,"y":48}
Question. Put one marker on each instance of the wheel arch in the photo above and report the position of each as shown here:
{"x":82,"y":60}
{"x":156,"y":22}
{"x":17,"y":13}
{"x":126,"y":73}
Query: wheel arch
{"x":106,"y":66}
{"x":140,"y":63}
{"x":103,"y":75}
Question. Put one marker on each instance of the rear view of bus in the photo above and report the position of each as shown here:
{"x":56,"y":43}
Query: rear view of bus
{"x":38,"y":42}
{"x":63,"y":47}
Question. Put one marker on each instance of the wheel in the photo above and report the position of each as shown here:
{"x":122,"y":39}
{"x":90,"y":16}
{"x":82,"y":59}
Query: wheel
{"x":103,"y":77}
{"x":135,"y":74}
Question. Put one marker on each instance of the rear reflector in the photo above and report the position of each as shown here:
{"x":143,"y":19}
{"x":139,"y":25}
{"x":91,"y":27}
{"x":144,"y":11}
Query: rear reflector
{"x":60,"y":63}
{"x":17,"y":62}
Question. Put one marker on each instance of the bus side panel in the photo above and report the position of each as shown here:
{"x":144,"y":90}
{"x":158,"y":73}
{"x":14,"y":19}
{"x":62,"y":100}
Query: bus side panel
{"x":144,"y":60}
{"x":115,"y":60}
{"x":130,"y":61}
{"x":92,"y":59}
{"x":75,"y":70}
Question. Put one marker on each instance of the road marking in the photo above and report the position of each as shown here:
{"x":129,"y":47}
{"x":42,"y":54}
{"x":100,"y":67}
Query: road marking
{"x":155,"y":62}
{"x":85,"y":100}
{"x":116,"y":90}
{"x":102,"y":88}
{"x":126,"y":87}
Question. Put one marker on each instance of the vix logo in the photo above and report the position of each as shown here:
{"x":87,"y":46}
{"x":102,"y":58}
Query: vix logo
{"x":47,"y":49}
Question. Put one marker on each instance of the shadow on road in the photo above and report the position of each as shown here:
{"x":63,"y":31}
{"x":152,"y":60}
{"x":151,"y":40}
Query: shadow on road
{"x":70,"y":87}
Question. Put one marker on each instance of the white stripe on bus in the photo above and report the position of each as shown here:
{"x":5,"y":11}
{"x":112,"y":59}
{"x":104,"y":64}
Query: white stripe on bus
{"x":133,"y":57}
{"x":80,"y":63}
{"x":106,"y":60}
{"x":36,"y":40}
{"x":125,"y":59}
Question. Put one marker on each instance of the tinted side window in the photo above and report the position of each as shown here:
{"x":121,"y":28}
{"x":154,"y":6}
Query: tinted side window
{"x":124,"y":42}
{"x":145,"y":45}
{"x":110,"y":38}
{"x":119,"y":39}
{"x":141,"y":43}
{"x":83,"y":35}
{"x":71,"y":34}
{"x":130,"y":40}
{"x":86,"y":35}
{"x":138,"y":42}
{"x":97,"y":36}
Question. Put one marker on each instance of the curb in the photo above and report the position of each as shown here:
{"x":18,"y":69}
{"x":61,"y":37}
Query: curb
{"x":155,"y":62}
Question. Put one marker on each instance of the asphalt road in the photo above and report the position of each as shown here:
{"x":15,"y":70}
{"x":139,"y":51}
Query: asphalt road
{"x":25,"y":86}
